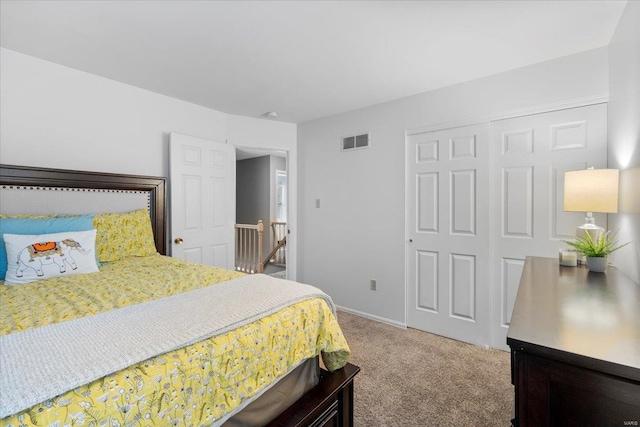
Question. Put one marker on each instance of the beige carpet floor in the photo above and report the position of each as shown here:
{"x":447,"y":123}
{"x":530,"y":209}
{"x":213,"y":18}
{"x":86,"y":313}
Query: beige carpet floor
{"x":413,"y":378}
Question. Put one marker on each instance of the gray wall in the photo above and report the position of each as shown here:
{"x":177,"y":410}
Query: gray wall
{"x":624,"y":136}
{"x":253,"y":194}
{"x":358,"y":233}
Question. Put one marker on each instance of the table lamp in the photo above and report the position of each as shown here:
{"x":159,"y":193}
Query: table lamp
{"x":591,"y":190}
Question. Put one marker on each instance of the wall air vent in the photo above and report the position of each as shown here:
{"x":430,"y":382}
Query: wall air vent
{"x":355,"y":141}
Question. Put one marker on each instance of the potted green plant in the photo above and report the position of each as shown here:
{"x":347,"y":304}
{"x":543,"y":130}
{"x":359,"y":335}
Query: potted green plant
{"x":596,"y":250}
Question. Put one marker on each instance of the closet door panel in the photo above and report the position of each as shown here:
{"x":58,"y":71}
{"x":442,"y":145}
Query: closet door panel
{"x":530,"y":155}
{"x":448,"y":224}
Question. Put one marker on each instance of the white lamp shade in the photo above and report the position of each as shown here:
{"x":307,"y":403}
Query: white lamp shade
{"x":591,"y":190}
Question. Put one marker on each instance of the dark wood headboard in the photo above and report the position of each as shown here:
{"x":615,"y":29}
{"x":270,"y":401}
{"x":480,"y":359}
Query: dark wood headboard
{"x":45,"y":177}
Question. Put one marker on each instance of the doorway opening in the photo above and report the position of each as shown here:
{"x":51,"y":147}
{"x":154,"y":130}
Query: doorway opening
{"x":262,"y":202}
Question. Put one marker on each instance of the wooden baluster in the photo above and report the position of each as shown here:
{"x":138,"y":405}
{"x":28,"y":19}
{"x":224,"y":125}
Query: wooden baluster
{"x":259,"y":260}
{"x":246,"y":251}
{"x":276,"y":238}
{"x":235,"y":242}
{"x":251,"y":252}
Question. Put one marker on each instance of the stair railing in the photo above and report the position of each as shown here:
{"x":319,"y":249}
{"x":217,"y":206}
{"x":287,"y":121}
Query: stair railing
{"x":278,"y":255}
{"x":249,"y":248}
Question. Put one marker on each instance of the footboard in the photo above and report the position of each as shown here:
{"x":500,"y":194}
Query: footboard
{"x":330,"y":403}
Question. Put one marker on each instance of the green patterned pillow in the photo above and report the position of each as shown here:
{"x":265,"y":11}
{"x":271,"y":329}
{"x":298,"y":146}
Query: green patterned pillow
{"x":122,"y":235}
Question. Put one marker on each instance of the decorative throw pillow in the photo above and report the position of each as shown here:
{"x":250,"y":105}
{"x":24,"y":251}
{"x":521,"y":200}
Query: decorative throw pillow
{"x":42,"y":256}
{"x":122,"y":235}
{"x":38,"y":224}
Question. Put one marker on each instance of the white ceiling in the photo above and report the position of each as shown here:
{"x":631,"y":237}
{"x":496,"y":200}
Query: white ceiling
{"x":302,"y":59}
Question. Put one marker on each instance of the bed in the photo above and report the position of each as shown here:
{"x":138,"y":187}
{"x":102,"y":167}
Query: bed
{"x":261,"y":368}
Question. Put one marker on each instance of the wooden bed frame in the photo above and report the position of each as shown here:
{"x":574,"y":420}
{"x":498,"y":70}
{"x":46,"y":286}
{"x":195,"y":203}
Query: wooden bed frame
{"x":330,"y":403}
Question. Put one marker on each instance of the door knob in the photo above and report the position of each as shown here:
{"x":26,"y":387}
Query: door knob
{"x":178,"y":240}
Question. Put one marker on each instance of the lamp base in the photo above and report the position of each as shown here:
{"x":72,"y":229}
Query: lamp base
{"x":594,"y":231}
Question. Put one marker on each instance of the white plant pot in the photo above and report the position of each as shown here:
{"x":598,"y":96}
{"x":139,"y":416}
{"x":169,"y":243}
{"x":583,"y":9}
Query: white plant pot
{"x":597,"y":264}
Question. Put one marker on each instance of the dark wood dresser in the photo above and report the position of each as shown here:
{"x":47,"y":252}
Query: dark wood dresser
{"x":575,"y":347}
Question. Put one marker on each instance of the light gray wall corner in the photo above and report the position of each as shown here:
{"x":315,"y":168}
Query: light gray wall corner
{"x":358,"y":233}
{"x":624,"y":136}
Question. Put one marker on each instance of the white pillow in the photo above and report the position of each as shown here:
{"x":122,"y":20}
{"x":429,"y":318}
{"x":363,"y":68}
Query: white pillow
{"x":42,"y":256}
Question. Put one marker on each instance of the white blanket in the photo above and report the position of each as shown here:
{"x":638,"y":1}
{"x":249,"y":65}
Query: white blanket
{"x":39,"y":364}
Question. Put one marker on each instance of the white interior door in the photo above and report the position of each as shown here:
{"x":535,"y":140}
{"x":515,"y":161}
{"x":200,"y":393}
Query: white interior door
{"x":448,"y":228}
{"x":530,"y":156}
{"x":202,"y":187}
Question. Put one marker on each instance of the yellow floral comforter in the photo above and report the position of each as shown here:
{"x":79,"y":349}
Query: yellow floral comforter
{"x":192,"y":386}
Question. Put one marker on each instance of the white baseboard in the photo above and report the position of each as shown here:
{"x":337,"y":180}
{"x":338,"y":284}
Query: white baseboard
{"x":373,"y":317}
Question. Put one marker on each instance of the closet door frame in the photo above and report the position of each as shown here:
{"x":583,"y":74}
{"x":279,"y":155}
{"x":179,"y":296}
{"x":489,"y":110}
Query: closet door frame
{"x":497,"y":325}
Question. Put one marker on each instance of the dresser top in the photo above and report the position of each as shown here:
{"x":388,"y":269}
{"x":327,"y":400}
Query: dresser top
{"x":590,"y":319}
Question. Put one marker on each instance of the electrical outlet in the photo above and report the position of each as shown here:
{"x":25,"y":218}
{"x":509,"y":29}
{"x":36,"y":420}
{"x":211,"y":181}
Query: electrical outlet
{"x":374,"y":284}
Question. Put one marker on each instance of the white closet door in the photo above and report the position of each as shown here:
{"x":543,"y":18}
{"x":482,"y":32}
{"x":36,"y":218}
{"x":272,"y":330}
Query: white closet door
{"x":530,"y":156}
{"x":448,"y":222}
